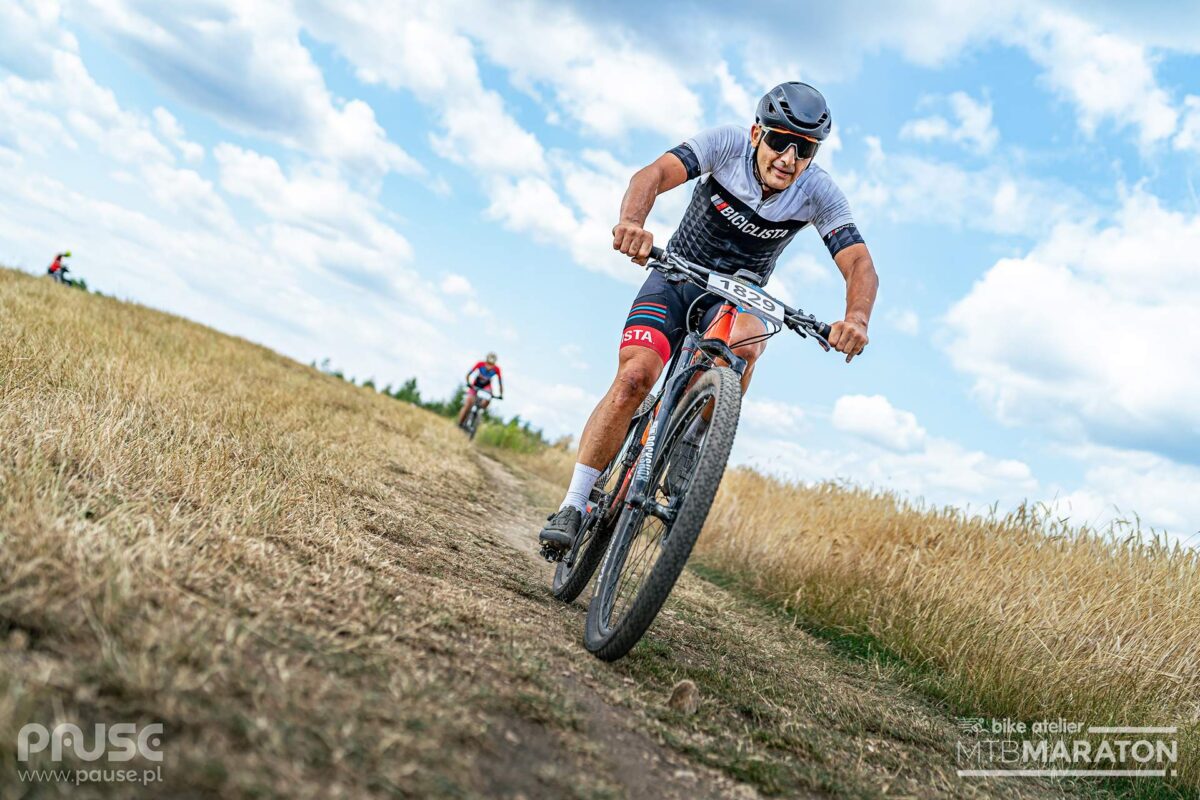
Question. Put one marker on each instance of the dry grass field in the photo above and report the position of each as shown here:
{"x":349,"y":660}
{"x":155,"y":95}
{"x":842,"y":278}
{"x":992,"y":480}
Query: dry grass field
{"x":320,"y":591}
{"x":1018,"y":616}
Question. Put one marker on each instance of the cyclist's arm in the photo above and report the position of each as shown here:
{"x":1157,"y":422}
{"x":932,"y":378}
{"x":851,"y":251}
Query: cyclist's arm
{"x":862,"y":284}
{"x":629,"y":237}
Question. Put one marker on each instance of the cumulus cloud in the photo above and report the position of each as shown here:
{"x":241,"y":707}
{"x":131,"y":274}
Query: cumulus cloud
{"x":1090,"y":334}
{"x":203,"y":53}
{"x":972,"y":126}
{"x":994,"y":199}
{"x":875,"y":419}
{"x":1107,"y":76}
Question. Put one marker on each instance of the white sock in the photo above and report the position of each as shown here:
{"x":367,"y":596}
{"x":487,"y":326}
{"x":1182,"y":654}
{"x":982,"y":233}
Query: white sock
{"x":582,"y":482}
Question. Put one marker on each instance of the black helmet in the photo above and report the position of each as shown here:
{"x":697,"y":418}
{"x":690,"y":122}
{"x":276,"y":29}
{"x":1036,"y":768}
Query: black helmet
{"x":796,"y":107}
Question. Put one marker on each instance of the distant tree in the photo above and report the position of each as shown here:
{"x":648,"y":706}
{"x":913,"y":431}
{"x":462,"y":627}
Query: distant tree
{"x":408,"y":392}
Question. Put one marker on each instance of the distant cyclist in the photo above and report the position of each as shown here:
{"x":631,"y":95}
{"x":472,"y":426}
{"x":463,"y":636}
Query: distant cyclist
{"x":758,"y":187}
{"x":58,"y":269}
{"x":480,"y":377}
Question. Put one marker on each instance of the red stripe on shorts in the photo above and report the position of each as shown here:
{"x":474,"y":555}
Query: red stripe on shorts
{"x":641,"y":336}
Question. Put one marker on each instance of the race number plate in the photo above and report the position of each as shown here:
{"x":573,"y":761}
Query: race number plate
{"x":749,"y":298}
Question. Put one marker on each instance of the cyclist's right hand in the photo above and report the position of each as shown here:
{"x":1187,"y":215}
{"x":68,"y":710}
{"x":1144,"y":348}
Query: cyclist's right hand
{"x":633,"y":240}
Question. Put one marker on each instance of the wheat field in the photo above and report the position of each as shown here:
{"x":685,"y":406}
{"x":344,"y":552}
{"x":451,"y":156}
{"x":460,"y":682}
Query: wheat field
{"x":1020,"y":615}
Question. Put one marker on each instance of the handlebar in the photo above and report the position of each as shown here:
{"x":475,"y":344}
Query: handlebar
{"x":794,"y":318}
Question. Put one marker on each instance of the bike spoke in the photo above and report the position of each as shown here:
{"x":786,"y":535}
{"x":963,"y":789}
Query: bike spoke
{"x":637,"y":566}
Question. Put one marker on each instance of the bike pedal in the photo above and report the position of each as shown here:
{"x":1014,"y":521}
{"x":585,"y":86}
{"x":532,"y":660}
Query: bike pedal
{"x":551,"y":553}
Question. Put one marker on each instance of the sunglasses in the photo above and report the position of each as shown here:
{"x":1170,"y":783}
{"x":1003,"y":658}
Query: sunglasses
{"x":780,"y":141}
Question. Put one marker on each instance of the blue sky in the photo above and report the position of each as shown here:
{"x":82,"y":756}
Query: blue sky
{"x":401,"y":187}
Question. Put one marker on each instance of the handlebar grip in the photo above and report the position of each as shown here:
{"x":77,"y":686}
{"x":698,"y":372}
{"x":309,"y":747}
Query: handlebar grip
{"x":824,"y":330}
{"x":657,"y":253}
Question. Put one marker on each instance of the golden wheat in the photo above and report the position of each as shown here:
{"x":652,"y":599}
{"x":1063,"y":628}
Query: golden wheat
{"x":1022,"y":615}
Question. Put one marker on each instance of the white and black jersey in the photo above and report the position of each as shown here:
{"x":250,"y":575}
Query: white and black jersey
{"x":730,"y":226}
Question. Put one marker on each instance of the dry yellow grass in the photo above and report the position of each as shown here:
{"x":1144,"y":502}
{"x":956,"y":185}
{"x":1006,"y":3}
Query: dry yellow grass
{"x":321,"y":592}
{"x":1018,"y":616}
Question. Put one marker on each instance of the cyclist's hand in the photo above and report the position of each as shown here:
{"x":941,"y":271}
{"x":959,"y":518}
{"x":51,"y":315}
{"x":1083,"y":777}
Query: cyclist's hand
{"x":849,"y":337}
{"x":634,"y":241}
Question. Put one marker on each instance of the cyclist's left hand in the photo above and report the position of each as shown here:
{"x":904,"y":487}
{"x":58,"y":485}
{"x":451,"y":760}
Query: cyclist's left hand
{"x":849,"y":337}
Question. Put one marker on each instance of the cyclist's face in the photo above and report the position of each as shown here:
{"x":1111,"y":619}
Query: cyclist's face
{"x":777,"y":170}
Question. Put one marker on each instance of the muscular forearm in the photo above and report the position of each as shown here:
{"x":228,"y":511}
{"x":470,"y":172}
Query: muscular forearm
{"x":862,"y":283}
{"x":639,"y":197}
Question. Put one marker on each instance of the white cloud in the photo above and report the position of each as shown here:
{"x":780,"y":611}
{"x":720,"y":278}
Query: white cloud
{"x":454,"y":284}
{"x":1188,"y":137}
{"x":205,"y":53}
{"x":874,"y":419}
{"x":736,"y":100}
{"x":941,"y":471}
{"x":173,"y":132}
{"x":1134,"y":485}
{"x":995,"y":199}
{"x":1107,"y":76}
{"x":904,"y":320}
{"x":972,"y":126}
{"x":613,"y":83}
{"x":1092,"y":333}
{"x":772,"y":416}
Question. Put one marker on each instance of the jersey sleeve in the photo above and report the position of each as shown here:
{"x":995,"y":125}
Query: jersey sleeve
{"x":710,"y":148}
{"x":832,"y":217}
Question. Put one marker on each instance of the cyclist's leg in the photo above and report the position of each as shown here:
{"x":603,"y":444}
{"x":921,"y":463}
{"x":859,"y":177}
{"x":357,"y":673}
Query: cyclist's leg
{"x":653,"y":330}
{"x":468,"y":400}
{"x":637,"y":370}
{"x":746,"y":328}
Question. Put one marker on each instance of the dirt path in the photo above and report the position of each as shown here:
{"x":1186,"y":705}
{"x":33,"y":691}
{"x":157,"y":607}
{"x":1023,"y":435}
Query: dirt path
{"x":641,"y":764}
{"x":781,"y":713}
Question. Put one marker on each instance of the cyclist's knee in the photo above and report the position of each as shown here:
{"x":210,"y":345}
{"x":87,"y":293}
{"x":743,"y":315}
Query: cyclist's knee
{"x":635,"y":379}
{"x":750,"y":352}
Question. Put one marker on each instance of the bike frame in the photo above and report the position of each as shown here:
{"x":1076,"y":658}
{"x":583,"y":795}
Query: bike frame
{"x":714,"y":343}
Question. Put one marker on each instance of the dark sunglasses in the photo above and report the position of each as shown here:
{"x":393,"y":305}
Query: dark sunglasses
{"x":780,"y":141}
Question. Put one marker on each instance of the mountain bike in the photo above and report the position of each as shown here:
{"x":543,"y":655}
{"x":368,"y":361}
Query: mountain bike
{"x":651,"y":501}
{"x":471,"y":423}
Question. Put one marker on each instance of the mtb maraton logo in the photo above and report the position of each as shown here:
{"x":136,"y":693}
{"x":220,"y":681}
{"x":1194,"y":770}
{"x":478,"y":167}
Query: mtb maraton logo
{"x":118,"y":743}
{"x":1060,"y":748}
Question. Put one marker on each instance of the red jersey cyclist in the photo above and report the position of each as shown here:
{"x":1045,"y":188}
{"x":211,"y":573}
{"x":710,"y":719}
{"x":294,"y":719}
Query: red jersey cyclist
{"x":480,"y":377}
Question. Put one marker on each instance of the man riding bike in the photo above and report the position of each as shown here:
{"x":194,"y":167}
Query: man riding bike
{"x":480,"y":377}
{"x":57,"y":268}
{"x":758,"y":188}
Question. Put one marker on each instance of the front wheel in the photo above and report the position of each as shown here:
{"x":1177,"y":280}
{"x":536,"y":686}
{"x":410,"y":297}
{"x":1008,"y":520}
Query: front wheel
{"x":651,"y":544}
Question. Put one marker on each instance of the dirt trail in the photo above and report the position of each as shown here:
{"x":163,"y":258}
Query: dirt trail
{"x":780,"y":711}
{"x":642,"y":765}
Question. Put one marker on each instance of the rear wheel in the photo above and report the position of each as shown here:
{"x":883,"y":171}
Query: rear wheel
{"x":651,"y":545}
{"x":572,"y":573}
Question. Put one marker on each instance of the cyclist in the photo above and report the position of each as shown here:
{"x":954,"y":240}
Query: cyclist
{"x":757,"y":189}
{"x":57,"y":268}
{"x":480,"y":377}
